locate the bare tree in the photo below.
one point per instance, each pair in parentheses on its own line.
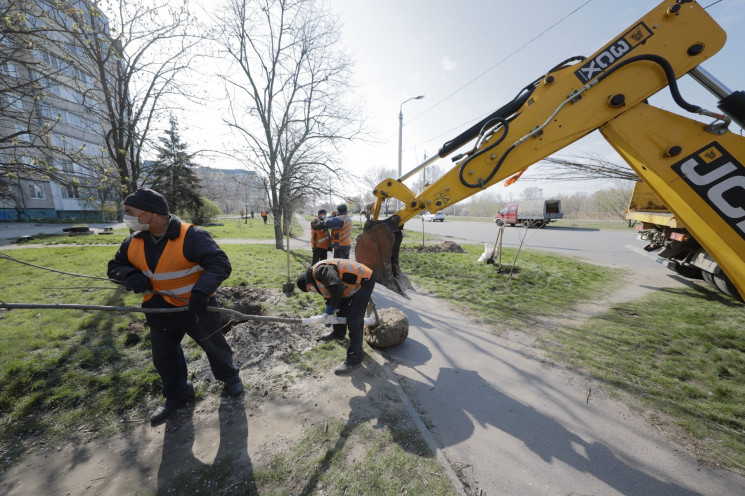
(614,200)
(137,50)
(579,168)
(287,96)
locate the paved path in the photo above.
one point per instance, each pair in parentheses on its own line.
(516,424)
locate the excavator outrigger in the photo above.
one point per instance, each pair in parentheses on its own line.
(695,168)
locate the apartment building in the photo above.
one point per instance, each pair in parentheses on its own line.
(49,119)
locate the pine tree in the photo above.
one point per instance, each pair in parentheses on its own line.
(173,174)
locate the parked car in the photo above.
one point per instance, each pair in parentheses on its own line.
(435,217)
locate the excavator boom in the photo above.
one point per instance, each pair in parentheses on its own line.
(606,91)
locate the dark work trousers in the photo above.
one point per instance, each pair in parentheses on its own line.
(319,254)
(342,252)
(354,310)
(166,333)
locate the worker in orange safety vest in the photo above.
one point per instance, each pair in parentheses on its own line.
(319,237)
(340,225)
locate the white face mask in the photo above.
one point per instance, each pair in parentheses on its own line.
(133,223)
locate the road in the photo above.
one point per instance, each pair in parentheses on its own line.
(514,423)
(608,246)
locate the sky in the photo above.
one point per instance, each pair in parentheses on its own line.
(469,58)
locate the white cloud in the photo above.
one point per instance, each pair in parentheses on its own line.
(448,64)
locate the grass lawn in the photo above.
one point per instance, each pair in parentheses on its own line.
(67,376)
(540,282)
(680,352)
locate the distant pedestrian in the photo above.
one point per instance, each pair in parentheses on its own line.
(319,237)
(252,214)
(264,215)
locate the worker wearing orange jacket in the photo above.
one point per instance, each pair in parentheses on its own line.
(340,225)
(319,237)
(346,286)
(175,264)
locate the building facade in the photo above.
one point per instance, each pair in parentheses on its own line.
(52,143)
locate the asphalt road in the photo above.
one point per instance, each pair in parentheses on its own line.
(513,423)
(607,246)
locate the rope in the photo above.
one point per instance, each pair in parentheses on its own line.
(5,256)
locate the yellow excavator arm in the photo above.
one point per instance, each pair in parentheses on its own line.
(693,167)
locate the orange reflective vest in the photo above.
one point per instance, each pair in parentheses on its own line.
(175,275)
(361,272)
(343,235)
(319,238)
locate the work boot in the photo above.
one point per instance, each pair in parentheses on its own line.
(346,367)
(170,406)
(235,387)
(330,336)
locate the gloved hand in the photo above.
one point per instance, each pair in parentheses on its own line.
(198,303)
(330,312)
(137,282)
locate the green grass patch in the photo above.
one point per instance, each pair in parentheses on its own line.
(236,228)
(539,285)
(115,238)
(678,351)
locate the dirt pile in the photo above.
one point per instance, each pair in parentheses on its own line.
(257,346)
(447,246)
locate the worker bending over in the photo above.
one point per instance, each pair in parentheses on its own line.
(346,286)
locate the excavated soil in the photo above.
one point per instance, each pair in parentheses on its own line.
(447,246)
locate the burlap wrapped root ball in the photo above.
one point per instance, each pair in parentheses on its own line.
(392,329)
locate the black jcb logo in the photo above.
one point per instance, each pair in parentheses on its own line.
(719,180)
(613,53)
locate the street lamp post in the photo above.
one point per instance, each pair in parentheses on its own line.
(401,128)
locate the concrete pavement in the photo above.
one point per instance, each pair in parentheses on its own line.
(514,423)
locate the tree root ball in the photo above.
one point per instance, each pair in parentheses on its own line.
(392,329)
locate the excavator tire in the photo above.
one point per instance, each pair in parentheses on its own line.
(724,285)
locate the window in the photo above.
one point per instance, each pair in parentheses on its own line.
(9,70)
(35,192)
(70,192)
(15,101)
(23,136)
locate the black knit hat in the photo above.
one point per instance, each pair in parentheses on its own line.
(148,200)
(302,283)
(341,208)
